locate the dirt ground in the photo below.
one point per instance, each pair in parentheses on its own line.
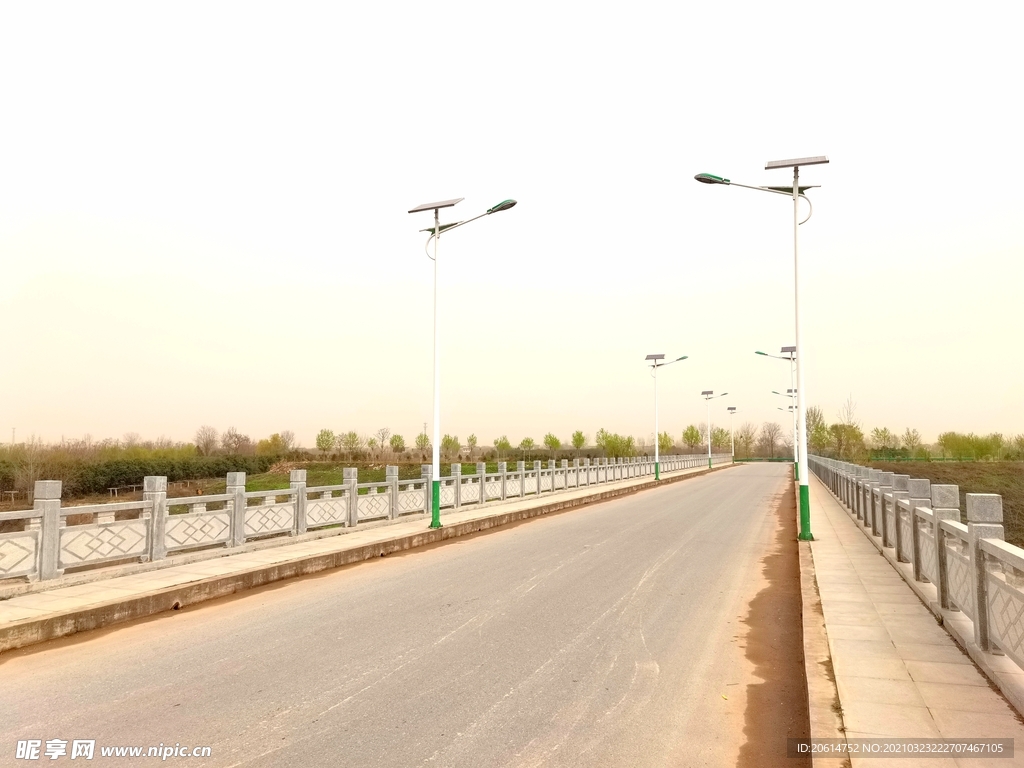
(1003,477)
(777,708)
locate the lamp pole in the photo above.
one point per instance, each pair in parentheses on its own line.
(732,429)
(797,192)
(708,396)
(435,234)
(655,365)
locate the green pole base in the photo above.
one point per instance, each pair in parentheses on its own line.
(657,470)
(796,470)
(709,463)
(805,514)
(435,504)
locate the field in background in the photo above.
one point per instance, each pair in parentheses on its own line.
(1003,477)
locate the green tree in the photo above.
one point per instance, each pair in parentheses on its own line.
(471,444)
(911,440)
(665,442)
(691,436)
(450,446)
(615,445)
(721,438)
(422,442)
(502,446)
(579,440)
(397,443)
(819,439)
(526,445)
(271,446)
(324,440)
(351,442)
(551,442)
(884,439)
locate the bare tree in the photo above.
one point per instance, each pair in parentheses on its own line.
(131,440)
(770,434)
(206,440)
(382,436)
(235,443)
(288,439)
(746,436)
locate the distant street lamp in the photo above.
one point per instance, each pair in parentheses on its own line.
(655,365)
(732,429)
(708,396)
(789,353)
(435,233)
(796,192)
(792,395)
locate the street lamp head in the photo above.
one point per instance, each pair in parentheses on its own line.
(655,357)
(708,178)
(504,205)
(731,409)
(785,350)
(707,392)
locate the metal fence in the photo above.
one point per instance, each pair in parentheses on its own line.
(973,569)
(50,539)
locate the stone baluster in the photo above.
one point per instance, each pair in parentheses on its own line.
(297,484)
(154,489)
(46,502)
(919,492)
(391,478)
(350,476)
(945,506)
(984,521)
(236,488)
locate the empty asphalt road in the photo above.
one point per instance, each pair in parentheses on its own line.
(610,635)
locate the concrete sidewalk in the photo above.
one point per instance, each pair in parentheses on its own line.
(66,609)
(898,672)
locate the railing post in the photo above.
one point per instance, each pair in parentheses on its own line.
(536,471)
(297,484)
(984,521)
(918,492)
(350,476)
(481,471)
(391,478)
(553,466)
(456,475)
(503,471)
(426,475)
(899,491)
(46,501)
(945,506)
(154,489)
(521,469)
(236,486)
(565,474)
(873,508)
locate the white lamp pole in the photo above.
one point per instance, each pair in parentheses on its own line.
(708,396)
(435,233)
(796,192)
(732,429)
(655,365)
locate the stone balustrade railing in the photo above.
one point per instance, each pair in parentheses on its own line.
(51,539)
(972,568)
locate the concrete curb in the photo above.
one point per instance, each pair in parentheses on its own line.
(823,702)
(25,632)
(1001,672)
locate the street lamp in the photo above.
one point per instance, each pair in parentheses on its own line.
(435,234)
(796,192)
(789,353)
(708,396)
(732,429)
(655,365)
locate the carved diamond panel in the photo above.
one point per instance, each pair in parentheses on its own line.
(410,500)
(18,553)
(106,541)
(470,492)
(545,482)
(531,483)
(447,495)
(493,489)
(373,506)
(560,481)
(890,527)
(906,538)
(326,511)
(959,574)
(926,539)
(270,518)
(512,486)
(196,530)
(1006,616)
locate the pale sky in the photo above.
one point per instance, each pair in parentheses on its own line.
(203,214)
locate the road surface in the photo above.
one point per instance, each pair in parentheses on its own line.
(610,635)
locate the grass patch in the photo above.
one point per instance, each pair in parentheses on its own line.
(1003,477)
